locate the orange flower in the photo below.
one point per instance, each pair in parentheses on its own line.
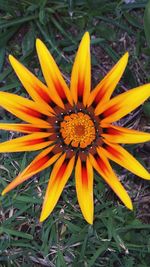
(74,127)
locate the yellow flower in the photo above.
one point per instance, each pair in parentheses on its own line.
(74,127)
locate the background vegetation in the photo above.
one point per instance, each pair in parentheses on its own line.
(118,237)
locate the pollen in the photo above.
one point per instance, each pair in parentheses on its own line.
(78,130)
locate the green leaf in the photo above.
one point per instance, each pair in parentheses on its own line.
(28,41)
(107,32)
(146,109)
(60,259)
(98,252)
(15,233)
(147,22)
(2,57)
(133,20)
(17,21)
(5,36)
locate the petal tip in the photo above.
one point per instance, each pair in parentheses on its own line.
(86,36)
(3,192)
(41,219)
(89,220)
(126,54)
(11,58)
(88,217)
(44,215)
(38,42)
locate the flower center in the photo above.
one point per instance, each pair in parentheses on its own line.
(78,130)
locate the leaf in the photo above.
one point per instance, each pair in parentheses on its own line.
(2,58)
(133,20)
(146,109)
(97,253)
(28,41)
(147,22)
(17,21)
(5,36)
(15,233)
(106,32)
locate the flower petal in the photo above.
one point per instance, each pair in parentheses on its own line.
(116,134)
(121,156)
(23,128)
(84,188)
(35,88)
(102,166)
(81,72)
(58,178)
(30,142)
(46,158)
(57,85)
(23,108)
(103,91)
(122,104)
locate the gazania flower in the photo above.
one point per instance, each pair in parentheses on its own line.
(74,127)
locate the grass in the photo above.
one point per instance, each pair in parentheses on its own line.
(118,237)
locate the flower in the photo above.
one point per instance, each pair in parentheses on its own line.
(74,127)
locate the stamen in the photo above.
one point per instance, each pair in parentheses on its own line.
(78,130)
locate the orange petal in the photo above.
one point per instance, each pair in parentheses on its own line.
(57,85)
(81,72)
(123,104)
(23,108)
(58,178)
(102,166)
(121,156)
(30,142)
(35,88)
(103,91)
(84,188)
(116,134)
(23,128)
(41,162)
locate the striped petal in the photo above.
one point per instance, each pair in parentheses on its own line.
(84,188)
(35,88)
(57,85)
(102,166)
(23,128)
(81,72)
(116,134)
(121,156)
(23,108)
(41,162)
(30,142)
(103,91)
(122,104)
(58,178)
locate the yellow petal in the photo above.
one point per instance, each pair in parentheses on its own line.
(116,134)
(41,162)
(102,166)
(35,88)
(103,91)
(121,156)
(81,72)
(58,178)
(84,188)
(123,104)
(23,108)
(57,85)
(23,128)
(30,142)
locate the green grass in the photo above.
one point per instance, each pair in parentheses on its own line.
(118,237)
